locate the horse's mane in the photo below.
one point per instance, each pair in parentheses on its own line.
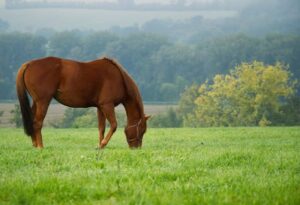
(130,85)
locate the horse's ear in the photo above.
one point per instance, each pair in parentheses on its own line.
(147,117)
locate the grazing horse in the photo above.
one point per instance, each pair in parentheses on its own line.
(101,83)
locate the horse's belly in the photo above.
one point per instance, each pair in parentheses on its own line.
(74,99)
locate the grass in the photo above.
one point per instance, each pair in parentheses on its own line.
(175,166)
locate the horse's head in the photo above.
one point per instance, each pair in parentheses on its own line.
(134,133)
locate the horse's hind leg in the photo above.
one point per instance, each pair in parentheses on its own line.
(40,110)
(101,125)
(33,137)
(109,112)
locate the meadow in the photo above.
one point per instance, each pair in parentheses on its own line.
(175,166)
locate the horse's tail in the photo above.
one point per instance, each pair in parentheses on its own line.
(27,116)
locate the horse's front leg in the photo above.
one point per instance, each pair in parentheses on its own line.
(101,125)
(109,113)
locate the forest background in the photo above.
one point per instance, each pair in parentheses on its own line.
(168,57)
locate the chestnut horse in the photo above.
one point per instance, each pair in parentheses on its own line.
(101,83)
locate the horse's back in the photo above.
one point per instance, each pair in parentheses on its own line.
(73,83)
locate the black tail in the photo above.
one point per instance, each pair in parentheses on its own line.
(27,116)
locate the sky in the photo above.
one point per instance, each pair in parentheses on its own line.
(136,1)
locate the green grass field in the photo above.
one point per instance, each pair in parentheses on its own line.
(175,166)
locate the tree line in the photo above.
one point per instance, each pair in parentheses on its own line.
(162,68)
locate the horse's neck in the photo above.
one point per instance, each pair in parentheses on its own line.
(133,111)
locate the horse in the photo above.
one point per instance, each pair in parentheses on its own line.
(102,83)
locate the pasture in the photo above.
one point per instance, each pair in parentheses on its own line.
(175,166)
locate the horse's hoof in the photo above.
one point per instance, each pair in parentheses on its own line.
(103,144)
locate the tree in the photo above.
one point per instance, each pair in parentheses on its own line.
(252,94)
(187,106)
(66,44)
(1,113)
(16,116)
(15,49)
(169,119)
(94,45)
(71,114)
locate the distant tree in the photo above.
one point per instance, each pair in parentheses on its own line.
(15,49)
(289,113)
(70,116)
(134,53)
(84,117)
(170,118)
(87,120)
(66,44)
(172,67)
(161,68)
(1,113)
(16,116)
(252,94)
(94,45)
(187,106)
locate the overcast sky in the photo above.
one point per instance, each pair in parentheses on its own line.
(136,1)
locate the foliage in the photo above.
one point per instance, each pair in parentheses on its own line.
(168,119)
(89,119)
(134,52)
(15,49)
(175,166)
(85,118)
(290,112)
(161,68)
(95,45)
(16,116)
(252,94)
(166,56)
(187,106)
(71,114)
(1,113)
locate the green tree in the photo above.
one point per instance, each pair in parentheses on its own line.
(15,49)
(171,118)
(252,94)
(16,116)
(87,120)
(1,113)
(66,44)
(94,45)
(70,116)
(187,106)
(290,112)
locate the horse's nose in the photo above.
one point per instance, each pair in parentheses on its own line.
(136,145)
